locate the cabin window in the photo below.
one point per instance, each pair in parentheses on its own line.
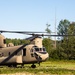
(32,55)
(24,52)
(9,53)
(4,41)
(2,54)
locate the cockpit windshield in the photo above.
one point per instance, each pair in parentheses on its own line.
(40,49)
(36,49)
(44,49)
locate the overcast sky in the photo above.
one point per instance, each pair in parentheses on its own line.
(33,15)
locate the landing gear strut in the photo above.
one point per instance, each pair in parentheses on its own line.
(33,66)
(39,63)
(22,66)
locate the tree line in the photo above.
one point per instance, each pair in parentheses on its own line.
(16,41)
(65,48)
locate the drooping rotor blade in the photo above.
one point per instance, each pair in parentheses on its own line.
(21,32)
(32,38)
(33,33)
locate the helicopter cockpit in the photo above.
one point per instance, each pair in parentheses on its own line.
(36,49)
(39,53)
(40,49)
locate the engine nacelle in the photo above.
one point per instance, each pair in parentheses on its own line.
(10,45)
(37,42)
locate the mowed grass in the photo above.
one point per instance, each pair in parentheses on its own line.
(62,67)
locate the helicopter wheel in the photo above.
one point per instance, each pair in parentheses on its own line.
(12,66)
(33,66)
(9,65)
(22,66)
(39,63)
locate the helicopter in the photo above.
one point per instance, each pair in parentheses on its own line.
(29,53)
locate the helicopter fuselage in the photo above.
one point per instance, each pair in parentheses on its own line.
(29,54)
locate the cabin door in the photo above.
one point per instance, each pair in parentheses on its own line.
(24,52)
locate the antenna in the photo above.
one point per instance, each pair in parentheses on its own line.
(55,28)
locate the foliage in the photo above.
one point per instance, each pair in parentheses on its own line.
(63,27)
(47,29)
(17,41)
(66,47)
(49,67)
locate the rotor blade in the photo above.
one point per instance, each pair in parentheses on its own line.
(59,35)
(21,32)
(32,38)
(51,35)
(33,33)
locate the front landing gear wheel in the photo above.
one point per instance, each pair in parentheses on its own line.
(33,66)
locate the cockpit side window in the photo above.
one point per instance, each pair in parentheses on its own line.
(36,49)
(4,41)
(44,49)
(39,49)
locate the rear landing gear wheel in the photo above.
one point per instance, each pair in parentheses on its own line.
(33,66)
(12,66)
(22,66)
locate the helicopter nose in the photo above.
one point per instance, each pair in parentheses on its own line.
(43,56)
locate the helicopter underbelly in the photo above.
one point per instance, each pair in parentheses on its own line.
(29,60)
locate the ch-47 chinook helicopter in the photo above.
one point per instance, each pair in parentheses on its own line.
(31,53)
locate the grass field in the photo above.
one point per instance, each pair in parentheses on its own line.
(49,67)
